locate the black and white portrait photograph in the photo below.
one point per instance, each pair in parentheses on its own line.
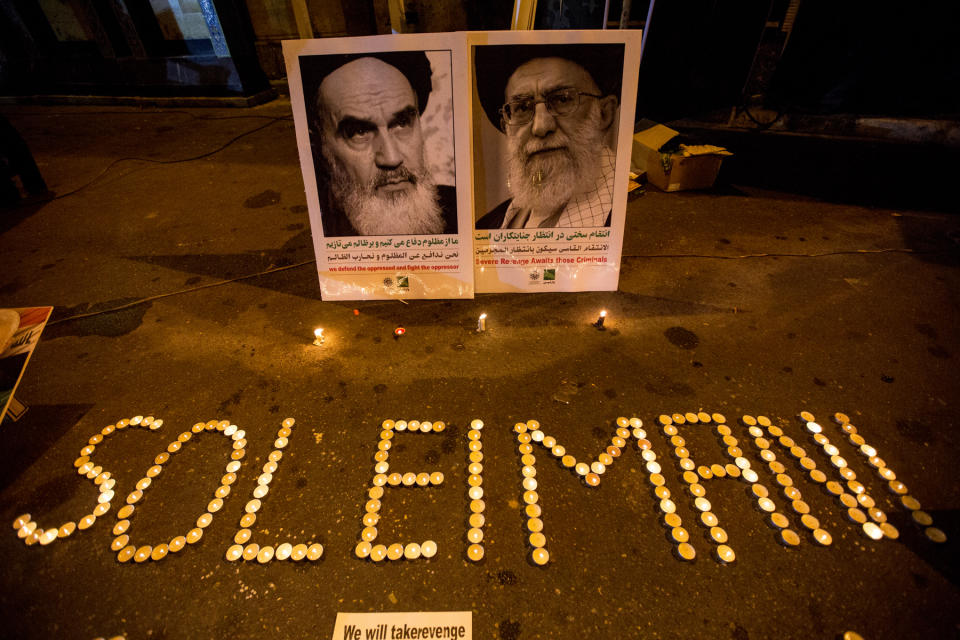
(548,153)
(381,139)
(382,134)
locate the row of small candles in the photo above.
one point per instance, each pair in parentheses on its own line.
(319,338)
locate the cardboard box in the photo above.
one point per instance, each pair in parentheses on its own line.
(693,167)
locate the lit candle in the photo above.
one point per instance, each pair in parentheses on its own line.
(399,331)
(428,549)
(318,336)
(599,323)
(482,323)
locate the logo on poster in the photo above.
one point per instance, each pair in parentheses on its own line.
(543,277)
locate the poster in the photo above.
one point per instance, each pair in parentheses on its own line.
(382,126)
(13,359)
(552,122)
(397,625)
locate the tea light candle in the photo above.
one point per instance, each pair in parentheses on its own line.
(935,535)
(686,551)
(873,530)
(599,323)
(726,554)
(540,556)
(482,323)
(300,551)
(48,536)
(856,515)
(318,337)
(822,537)
(143,554)
(718,534)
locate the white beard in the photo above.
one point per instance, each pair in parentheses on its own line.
(375,214)
(545,184)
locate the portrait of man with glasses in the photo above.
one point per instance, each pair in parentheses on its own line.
(557,106)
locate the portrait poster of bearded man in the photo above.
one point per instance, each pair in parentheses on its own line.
(378,170)
(553,115)
(556,106)
(382,127)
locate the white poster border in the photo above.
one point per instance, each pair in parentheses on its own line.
(597,269)
(399,277)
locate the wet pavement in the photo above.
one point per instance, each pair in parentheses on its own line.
(179,260)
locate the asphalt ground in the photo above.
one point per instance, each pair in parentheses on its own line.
(177,255)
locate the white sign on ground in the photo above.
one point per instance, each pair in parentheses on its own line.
(404,625)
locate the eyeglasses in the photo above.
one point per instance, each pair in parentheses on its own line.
(560,102)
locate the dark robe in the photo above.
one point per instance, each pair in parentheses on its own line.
(494,219)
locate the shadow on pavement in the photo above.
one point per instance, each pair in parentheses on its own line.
(26,440)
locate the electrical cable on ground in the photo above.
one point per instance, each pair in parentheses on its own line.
(159,296)
(760,123)
(148,113)
(176,161)
(775,255)
(306,262)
